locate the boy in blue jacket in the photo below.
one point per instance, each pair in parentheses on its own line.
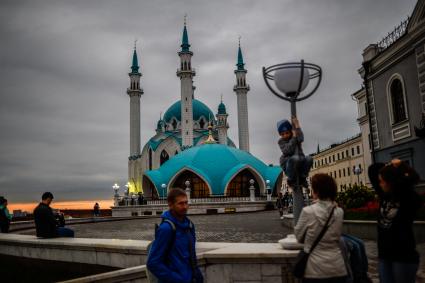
(172,257)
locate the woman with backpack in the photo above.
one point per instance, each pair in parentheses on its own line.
(394,183)
(319,228)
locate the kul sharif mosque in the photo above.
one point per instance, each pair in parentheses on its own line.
(191,142)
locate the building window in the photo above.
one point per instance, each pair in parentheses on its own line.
(348,171)
(342,153)
(202,123)
(339,173)
(333,158)
(397,101)
(174,124)
(338,155)
(198,188)
(335,174)
(358,149)
(352,151)
(164,157)
(346,153)
(343,172)
(150,158)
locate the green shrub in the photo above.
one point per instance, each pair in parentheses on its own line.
(355,197)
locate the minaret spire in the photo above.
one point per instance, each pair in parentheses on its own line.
(241,89)
(186,74)
(222,125)
(185,38)
(134,91)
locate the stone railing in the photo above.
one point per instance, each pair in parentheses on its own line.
(219,262)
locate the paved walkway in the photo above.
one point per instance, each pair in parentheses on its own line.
(260,227)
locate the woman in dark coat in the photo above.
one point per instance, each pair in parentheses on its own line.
(394,184)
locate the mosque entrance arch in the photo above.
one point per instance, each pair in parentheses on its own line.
(198,187)
(149,189)
(239,185)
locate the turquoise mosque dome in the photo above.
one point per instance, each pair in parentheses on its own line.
(199,110)
(216,164)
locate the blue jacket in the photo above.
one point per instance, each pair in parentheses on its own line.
(174,267)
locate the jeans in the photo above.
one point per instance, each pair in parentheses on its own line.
(65,232)
(342,279)
(295,163)
(397,272)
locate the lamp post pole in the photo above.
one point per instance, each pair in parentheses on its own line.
(291,79)
(357,171)
(163,186)
(116,195)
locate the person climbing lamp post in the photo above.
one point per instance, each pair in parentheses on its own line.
(291,79)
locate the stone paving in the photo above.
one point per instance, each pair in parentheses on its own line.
(260,227)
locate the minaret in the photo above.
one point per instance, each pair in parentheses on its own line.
(186,74)
(222,124)
(241,89)
(135,92)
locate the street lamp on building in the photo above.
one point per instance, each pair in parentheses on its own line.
(290,80)
(357,171)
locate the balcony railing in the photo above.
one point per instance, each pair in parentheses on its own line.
(393,36)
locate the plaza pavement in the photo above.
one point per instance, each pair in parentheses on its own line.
(260,227)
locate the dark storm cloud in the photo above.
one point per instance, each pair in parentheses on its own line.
(63,74)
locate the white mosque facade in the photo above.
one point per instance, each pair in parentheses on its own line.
(191,142)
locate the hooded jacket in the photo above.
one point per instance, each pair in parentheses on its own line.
(290,147)
(326,260)
(171,263)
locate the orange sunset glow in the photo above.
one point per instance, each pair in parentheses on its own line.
(78,204)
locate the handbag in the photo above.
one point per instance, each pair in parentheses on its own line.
(298,269)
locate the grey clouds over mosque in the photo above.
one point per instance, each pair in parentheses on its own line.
(191,142)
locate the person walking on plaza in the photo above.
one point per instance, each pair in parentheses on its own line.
(394,183)
(5,216)
(280,204)
(96,210)
(326,262)
(45,223)
(172,257)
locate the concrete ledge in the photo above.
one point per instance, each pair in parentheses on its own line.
(195,208)
(219,262)
(135,274)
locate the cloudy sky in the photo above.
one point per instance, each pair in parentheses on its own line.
(64,112)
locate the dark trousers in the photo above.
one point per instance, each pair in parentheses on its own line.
(65,232)
(300,164)
(397,272)
(342,279)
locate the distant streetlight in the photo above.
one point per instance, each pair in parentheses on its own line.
(163,186)
(357,171)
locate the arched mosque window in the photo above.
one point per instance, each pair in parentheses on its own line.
(239,186)
(164,157)
(150,158)
(198,188)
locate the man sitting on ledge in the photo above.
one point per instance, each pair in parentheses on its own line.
(46,224)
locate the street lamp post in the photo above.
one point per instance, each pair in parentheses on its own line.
(357,171)
(187,184)
(163,186)
(291,79)
(116,195)
(269,191)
